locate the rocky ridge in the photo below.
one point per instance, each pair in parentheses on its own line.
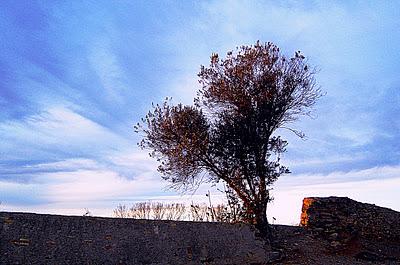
(363,230)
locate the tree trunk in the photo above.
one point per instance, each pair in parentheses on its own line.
(262,222)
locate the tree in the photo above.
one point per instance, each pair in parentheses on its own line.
(228,134)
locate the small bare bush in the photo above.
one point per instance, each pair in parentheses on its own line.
(158,210)
(140,210)
(179,212)
(200,213)
(121,211)
(175,211)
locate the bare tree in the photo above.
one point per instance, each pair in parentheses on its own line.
(175,211)
(158,210)
(228,134)
(199,212)
(140,210)
(178,212)
(121,211)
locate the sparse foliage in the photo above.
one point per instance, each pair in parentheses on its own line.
(121,211)
(140,210)
(176,212)
(152,210)
(199,212)
(159,211)
(228,134)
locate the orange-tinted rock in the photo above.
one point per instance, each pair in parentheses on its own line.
(307,202)
(346,223)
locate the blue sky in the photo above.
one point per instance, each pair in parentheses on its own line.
(75,77)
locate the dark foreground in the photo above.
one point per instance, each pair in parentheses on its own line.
(27,238)
(300,245)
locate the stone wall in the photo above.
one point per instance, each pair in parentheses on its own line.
(50,239)
(348,224)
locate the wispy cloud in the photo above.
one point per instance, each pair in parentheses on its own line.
(108,70)
(58,130)
(92,185)
(374,173)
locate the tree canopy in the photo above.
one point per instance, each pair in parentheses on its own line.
(228,133)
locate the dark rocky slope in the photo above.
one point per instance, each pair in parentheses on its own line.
(50,239)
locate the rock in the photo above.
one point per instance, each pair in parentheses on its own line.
(369,256)
(276,256)
(318,230)
(333,236)
(348,224)
(335,244)
(342,215)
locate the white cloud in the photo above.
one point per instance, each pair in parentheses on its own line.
(184,88)
(92,185)
(324,160)
(110,73)
(68,164)
(138,158)
(15,189)
(81,187)
(57,128)
(377,173)
(31,170)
